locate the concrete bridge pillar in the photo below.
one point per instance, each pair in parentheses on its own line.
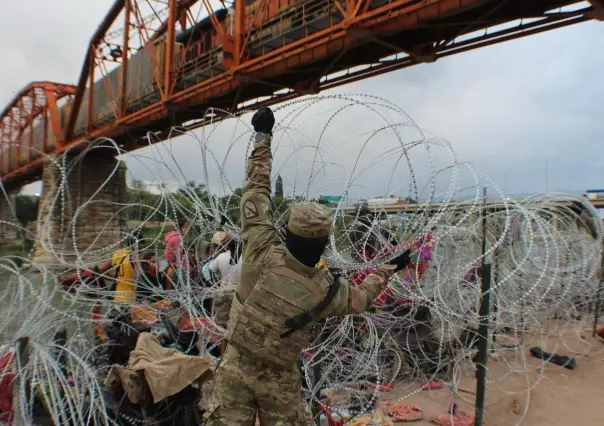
(81,209)
(9,226)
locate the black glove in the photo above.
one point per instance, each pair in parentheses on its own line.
(263,121)
(401,261)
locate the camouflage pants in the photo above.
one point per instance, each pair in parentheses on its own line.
(243,388)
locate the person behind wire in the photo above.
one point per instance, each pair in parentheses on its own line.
(230,277)
(174,253)
(125,264)
(151,283)
(281,295)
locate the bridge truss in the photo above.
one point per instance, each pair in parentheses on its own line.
(360,39)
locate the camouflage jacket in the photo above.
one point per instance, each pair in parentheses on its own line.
(265,259)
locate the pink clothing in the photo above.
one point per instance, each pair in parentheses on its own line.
(174,253)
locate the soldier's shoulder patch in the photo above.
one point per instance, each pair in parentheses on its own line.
(250,210)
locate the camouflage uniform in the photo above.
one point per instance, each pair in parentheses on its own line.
(224,295)
(222,305)
(258,373)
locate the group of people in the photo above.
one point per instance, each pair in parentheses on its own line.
(271,293)
(137,276)
(133,278)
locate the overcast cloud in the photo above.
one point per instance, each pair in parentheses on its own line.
(513,110)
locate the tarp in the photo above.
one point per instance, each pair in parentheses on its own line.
(166,371)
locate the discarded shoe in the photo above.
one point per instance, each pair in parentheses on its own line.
(405,413)
(561,360)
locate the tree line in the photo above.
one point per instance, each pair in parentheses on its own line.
(145,205)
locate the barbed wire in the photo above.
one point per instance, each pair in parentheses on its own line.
(544,252)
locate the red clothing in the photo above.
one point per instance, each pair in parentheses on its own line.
(174,253)
(7,376)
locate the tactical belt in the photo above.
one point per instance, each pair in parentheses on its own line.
(296,323)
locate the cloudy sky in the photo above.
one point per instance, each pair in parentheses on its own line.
(514,110)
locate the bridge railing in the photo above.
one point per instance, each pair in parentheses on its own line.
(31,126)
(293,24)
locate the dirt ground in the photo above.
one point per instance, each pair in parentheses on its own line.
(559,397)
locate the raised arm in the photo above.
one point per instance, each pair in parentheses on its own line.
(258,231)
(355,300)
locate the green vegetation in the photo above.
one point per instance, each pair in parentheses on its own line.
(16,253)
(279,188)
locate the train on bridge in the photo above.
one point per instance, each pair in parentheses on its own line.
(259,52)
(200,53)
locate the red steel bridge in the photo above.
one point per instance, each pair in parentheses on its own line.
(153,64)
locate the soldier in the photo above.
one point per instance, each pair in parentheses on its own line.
(280,297)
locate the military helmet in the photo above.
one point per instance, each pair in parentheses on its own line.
(310,220)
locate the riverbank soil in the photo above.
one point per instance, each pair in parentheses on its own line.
(522,390)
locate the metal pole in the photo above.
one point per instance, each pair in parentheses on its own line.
(484,224)
(495,302)
(123,96)
(597,311)
(483,328)
(599,294)
(239,29)
(170,46)
(483,340)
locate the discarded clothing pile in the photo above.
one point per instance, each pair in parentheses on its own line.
(163,371)
(400,412)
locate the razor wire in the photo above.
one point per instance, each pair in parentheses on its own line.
(545,253)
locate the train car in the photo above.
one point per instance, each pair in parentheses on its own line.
(145,77)
(199,55)
(202,55)
(276,23)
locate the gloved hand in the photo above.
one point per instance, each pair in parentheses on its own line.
(401,261)
(263,121)
(223,220)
